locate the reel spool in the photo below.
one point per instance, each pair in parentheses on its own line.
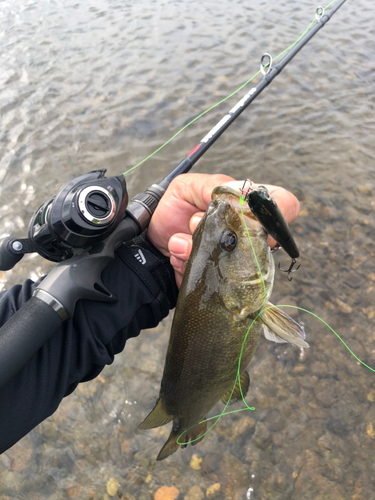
(85,212)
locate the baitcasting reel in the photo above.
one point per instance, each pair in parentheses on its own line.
(86,211)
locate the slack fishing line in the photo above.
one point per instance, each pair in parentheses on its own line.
(319,15)
(266,62)
(238,375)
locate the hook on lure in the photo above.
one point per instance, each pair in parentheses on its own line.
(290,269)
(269,215)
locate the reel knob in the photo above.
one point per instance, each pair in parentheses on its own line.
(11,252)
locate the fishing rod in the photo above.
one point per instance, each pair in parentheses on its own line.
(82,226)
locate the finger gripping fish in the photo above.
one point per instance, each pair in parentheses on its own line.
(221,293)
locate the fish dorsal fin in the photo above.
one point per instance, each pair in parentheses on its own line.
(279,327)
(157,417)
(195,433)
(236,396)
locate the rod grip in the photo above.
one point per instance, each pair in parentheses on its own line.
(24,334)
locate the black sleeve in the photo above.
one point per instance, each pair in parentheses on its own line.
(142,280)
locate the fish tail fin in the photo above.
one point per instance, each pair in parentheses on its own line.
(279,327)
(157,417)
(195,434)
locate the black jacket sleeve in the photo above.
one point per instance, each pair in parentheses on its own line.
(142,280)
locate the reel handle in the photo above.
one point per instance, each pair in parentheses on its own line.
(9,255)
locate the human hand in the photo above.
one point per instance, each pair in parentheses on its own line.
(183,206)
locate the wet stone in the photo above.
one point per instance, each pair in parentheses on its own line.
(112,486)
(145,495)
(128,496)
(167,493)
(20,454)
(327,391)
(344,307)
(210,463)
(195,462)
(364,188)
(354,280)
(346,414)
(292,385)
(194,493)
(311,482)
(308,382)
(261,437)
(135,477)
(243,427)
(74,491)
(274,420)
(334,449)
(235,473)
(322,369)
(213,490)
(294,430)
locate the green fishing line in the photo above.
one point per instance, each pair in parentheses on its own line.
(238,375)
(225,98)
(262,309)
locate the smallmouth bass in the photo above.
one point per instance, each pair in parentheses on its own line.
(221,294)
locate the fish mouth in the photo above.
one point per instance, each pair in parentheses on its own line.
(225,189)
(255,281)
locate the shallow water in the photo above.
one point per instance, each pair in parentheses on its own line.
(95,84)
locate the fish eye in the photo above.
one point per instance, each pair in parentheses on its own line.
(228,241)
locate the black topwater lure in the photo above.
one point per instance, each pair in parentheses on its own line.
(269,215)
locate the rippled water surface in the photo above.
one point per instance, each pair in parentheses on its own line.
(102,84)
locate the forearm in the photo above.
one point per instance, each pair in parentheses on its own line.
(80,349)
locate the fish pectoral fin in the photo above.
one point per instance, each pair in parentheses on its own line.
(272,336)
(279,327)
(194,434)
(157,417)
(236,396)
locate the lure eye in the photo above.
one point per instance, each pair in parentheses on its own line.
(263,192)
(228,241)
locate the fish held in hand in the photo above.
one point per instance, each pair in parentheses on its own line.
(221,294)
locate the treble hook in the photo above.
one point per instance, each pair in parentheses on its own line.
(290,270)
(245,192)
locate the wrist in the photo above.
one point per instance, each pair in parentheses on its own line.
(148,258)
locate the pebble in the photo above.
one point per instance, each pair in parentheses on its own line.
(274,420)
(211,463)
(345,308)
(195,462)
(243,426)
(74,491)
(370,430)
(354,280)
(327,391)
(112,486)
(20,455)
(364,188)
(167,493)
(213,490)
(261,436)
(345,414)
(194,493)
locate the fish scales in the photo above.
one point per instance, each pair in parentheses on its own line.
(221,294)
